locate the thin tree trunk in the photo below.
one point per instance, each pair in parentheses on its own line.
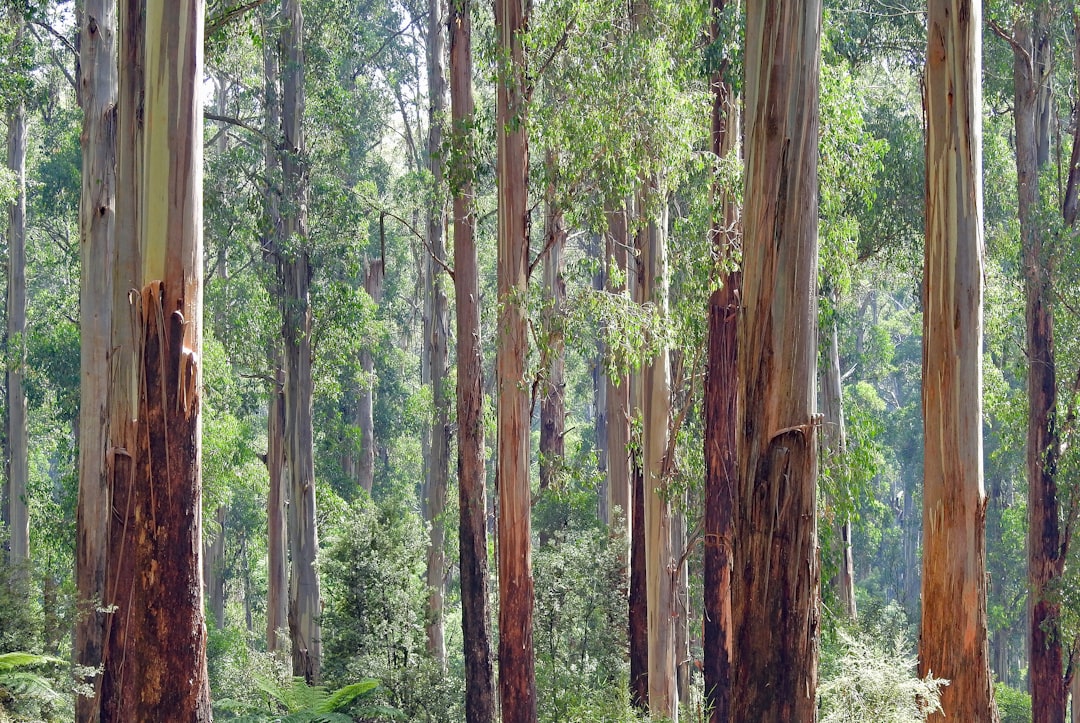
(17,461)
(277,546)
(436,340)
(98,83)
(599,380)
(517,678)
(1046,561)
(552,405)
(719,410)
(617,395)
(775,580)
(155,660)
(215,580)
(681,613)
(294,264)
(953,641)
(656,411)
(472,495)
(365,409)
(638,606)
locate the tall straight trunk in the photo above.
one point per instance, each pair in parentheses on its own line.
(97,208)
(656,413)
(1046,558)
(294,267)
(637,613)
(365,409)
(617,393)
(277,544)
(517,678)
(472,494)
(17,460)
(437,341)
(681,612)
(719,408)
(953,642)
(835,444)
(215,567)
(599,380)
(775,576)
(552,404)
(155,660)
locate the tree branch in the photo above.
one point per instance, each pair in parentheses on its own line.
(56,58)
(227,16)
(238,123)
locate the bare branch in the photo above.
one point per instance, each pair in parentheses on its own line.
(236,122)
(227,16)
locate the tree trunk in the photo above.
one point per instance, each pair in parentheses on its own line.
(17,461)
(681,612)
(638,615)
(953,642)
(1046,559)
(599,380)
(438,332)
(656,412)
(365,411)
(719,410)
(294,264)
(98,83)
(835,445)
(552,404)
(155,660)
(277,546)
(215,567)
(775,581)
(517,679)
(472,495)
(617,395)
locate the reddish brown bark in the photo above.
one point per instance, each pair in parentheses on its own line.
(775,577)
(472,523)
(517,679)
(720,408)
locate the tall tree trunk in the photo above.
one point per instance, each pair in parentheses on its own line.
(517,678)
(17,461)
(637,613)
(600,386)
(294,264)
(1046,559)
(617,394)
(775,613)
(552,404)
(155,660)
(215,567)
(365,409)
(277,544)
(681,612)
(953,642)
(835,438)
(98,83)
(656,413)
(472,495)
(719,407)
(436,341)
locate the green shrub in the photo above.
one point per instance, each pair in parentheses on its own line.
(1014,706)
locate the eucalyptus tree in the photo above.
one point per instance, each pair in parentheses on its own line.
(97,209)
(953,641)
(775,615)
(155,656)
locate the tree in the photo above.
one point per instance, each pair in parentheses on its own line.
(1031,44)
(472,495)
(517,679)
(17,453)
(436,340)
(775,613)
(155,657)
(97,210)
(294,269)
(953,642)
(720,400)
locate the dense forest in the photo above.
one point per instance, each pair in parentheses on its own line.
(570,360)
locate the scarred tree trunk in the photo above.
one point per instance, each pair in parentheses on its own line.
(517,679)
(953,641)
(436,340)
(719,411)
(17,460)
(155,659)
(294,268)
(775,575)
(98,83)
(472,495)
(1046,558)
